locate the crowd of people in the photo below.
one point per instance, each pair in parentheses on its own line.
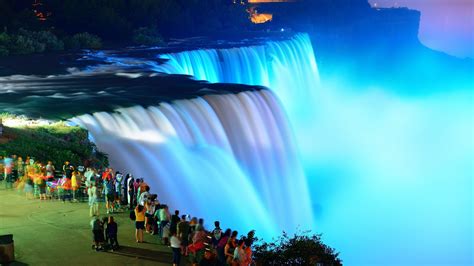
(186,236)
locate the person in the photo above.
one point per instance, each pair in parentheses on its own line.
(109,195)
(248,251)
(50,171)
(8,172)
(42,187)
(68,169)
(221,247)
(230,247)
(174,221)
(93,200)
(163,217)
(75,180)
(97,233)
(131,193)
(183,234)
(90,176)
(144,196)
(216,233)
(240,258)
(175,244)
(139,223)
(118,190)
(112,230)
(150,223)
(198,245)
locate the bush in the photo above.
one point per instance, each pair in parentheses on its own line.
(45,39)
(302,248)
(147,36)
(28,42)
(83,41)
(57,142)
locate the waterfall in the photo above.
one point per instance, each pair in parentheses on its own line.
(287,67)
(222,157)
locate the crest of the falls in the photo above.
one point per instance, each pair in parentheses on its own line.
(287,67)
(222,157)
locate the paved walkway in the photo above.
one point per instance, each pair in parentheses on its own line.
(55,233)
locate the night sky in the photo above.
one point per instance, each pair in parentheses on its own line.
(446,25)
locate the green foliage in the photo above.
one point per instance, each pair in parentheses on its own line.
(28,42)
(302,248)
(147,36)
(83,41)
(56,142)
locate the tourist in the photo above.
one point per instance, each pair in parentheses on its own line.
(174,221)
(97,233)
(118,189)
(42,187)
(216,233)
(90,176)
(124,192)
(8,170)
(75,181)
(230,247)
(144,196)
(93,200)
(221,247)
(112,231)
(163,217)
(109,195)
(49,168)
(139,223)
(198,245)
(150,206)
(166,234)
(240,257)
(68,169)
(183,234)
(248,250)
(176,247)
(131,192)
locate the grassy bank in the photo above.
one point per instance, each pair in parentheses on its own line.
(44,142)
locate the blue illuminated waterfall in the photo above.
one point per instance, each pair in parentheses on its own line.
(227,157)
(287,67)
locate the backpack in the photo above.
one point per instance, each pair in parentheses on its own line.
(132,215)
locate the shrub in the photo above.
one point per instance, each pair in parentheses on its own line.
(83,40)
(303,248)
(147,36)
(44,38)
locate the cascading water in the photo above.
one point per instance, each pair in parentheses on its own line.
(287,67)
(228,157)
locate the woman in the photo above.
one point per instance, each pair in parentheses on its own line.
(221,246)
(230,248)
(139,223)
(75,180)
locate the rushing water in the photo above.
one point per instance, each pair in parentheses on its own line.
(389,174)
(287,67)
(227,157)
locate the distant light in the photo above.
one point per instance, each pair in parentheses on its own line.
(282,29)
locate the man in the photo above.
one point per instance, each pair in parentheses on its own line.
(68,169)
(49,168)
(144,196)
(183,234)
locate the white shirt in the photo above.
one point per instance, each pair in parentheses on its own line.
(175,242)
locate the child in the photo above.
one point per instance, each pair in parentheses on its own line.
(97,233)
(112,230)
(176,247)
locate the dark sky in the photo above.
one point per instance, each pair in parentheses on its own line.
(446,25)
